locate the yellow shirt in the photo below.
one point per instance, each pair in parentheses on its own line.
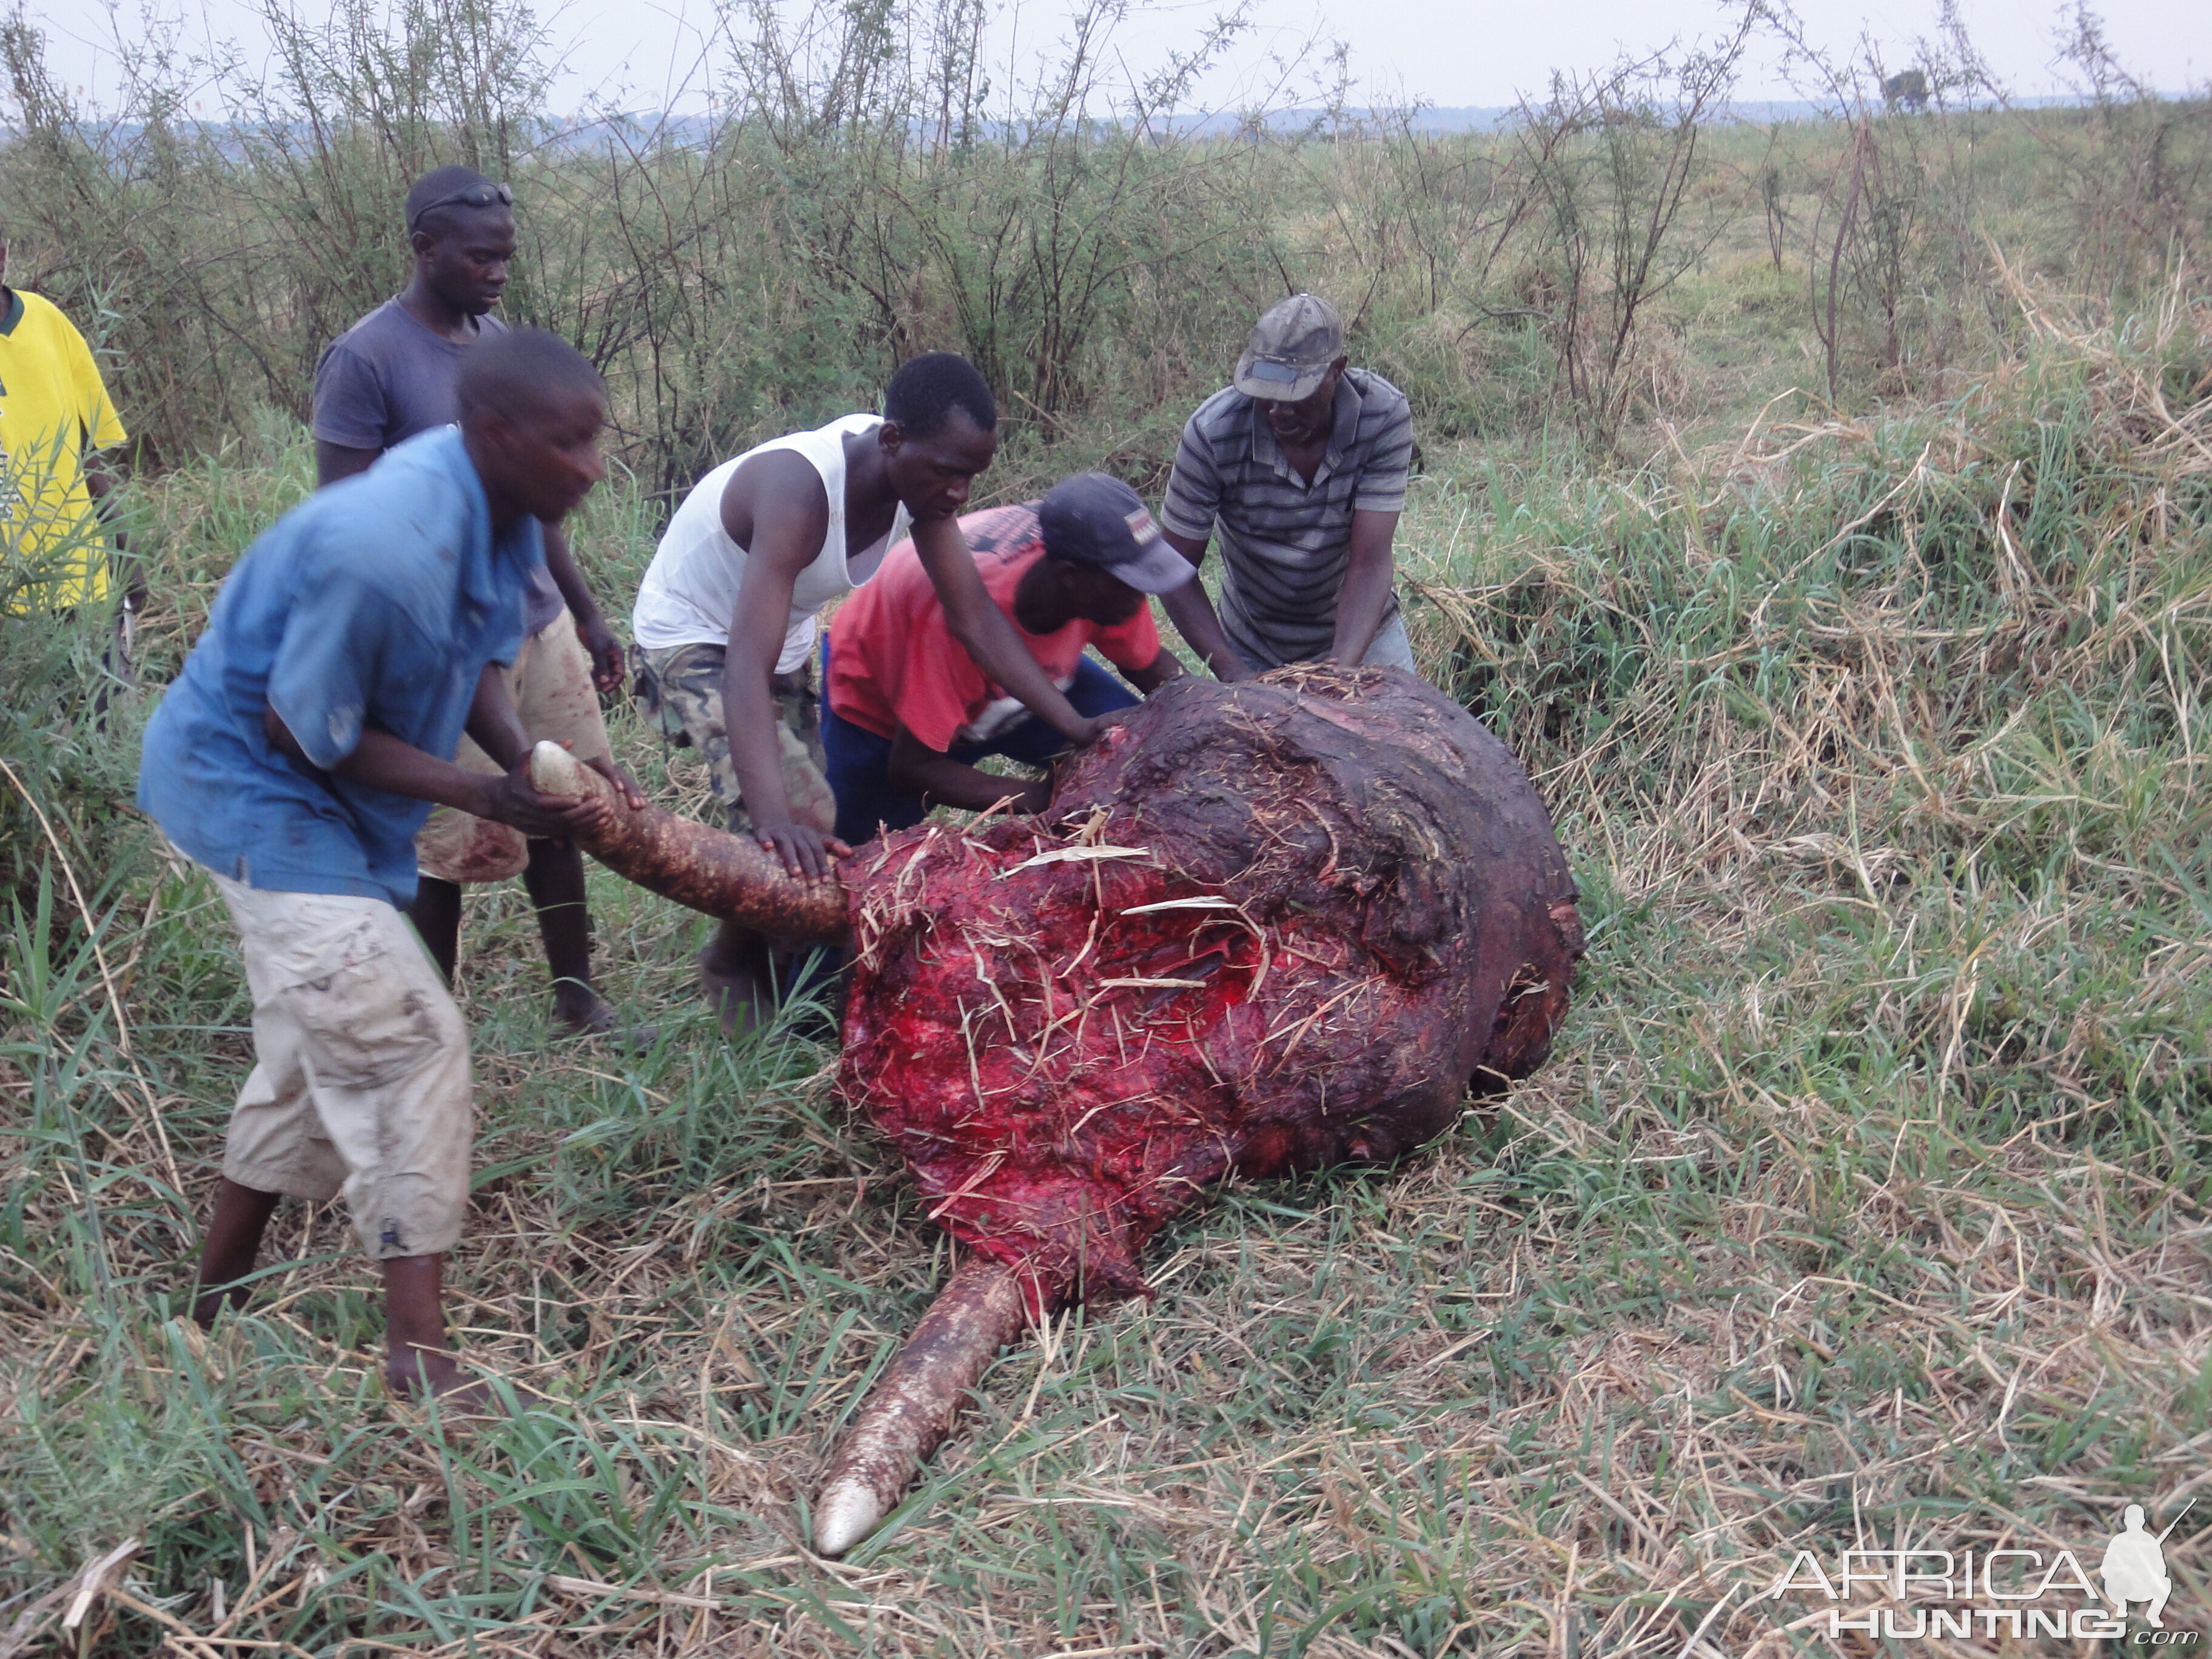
(53,411)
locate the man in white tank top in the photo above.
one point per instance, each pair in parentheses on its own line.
(725,619)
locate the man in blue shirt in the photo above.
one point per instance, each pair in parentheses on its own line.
(307,739)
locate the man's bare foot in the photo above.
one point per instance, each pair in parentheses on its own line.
(582,1011)
(743,1000)
(421,1376)
(818,983)
(207,1305)
(234,1240)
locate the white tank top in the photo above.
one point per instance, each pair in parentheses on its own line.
(690,593)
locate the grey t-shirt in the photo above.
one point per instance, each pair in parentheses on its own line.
(1286,542)
(386,379)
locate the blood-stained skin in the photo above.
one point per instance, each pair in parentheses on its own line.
(1263,927)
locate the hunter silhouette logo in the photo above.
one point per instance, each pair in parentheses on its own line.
(2024,1594)
(2135,1566)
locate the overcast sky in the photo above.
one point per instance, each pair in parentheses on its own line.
(642,54)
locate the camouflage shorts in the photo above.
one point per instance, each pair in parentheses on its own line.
(679,692)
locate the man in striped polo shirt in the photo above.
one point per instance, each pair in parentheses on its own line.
(1300,467)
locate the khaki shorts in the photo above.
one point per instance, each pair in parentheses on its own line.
(1391,647)
(361,1080)
(679,692)
(550,681)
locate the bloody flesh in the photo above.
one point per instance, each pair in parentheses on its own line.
(1264,926)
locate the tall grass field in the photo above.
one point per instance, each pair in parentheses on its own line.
(1854,617)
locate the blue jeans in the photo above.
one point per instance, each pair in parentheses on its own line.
(860,761)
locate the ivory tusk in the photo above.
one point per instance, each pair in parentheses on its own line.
(695,863)
(913,1406)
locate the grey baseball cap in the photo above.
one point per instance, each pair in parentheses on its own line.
(1291,349)
(1095,519)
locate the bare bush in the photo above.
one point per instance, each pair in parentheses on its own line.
(860,191)
(1608,161)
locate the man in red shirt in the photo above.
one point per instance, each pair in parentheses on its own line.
(910,713)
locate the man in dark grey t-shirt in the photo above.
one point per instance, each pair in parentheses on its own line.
(389,377)
(1299,469)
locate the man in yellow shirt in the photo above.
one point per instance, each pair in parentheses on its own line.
(55,418)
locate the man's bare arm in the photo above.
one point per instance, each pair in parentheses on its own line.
(496,726)
(986,635)
(99,485)
(381,761)
(1192,612)
(599,641)
(775,507)
(335,461)
(1162,668)
(1365,594)
(941,781)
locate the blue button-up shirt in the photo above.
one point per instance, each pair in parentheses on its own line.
(376,603)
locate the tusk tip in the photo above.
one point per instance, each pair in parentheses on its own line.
(555,771)
(845,1513)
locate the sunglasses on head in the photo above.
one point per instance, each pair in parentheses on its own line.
(478,195)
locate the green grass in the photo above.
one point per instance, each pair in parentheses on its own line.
(1865,1198)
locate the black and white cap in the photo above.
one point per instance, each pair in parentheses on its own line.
(1095,519)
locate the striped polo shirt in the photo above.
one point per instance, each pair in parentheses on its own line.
(1285,543)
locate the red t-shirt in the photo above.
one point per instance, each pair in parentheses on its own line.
(893,660)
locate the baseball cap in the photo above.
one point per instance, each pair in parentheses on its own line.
(1095,519)
(1291,349)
